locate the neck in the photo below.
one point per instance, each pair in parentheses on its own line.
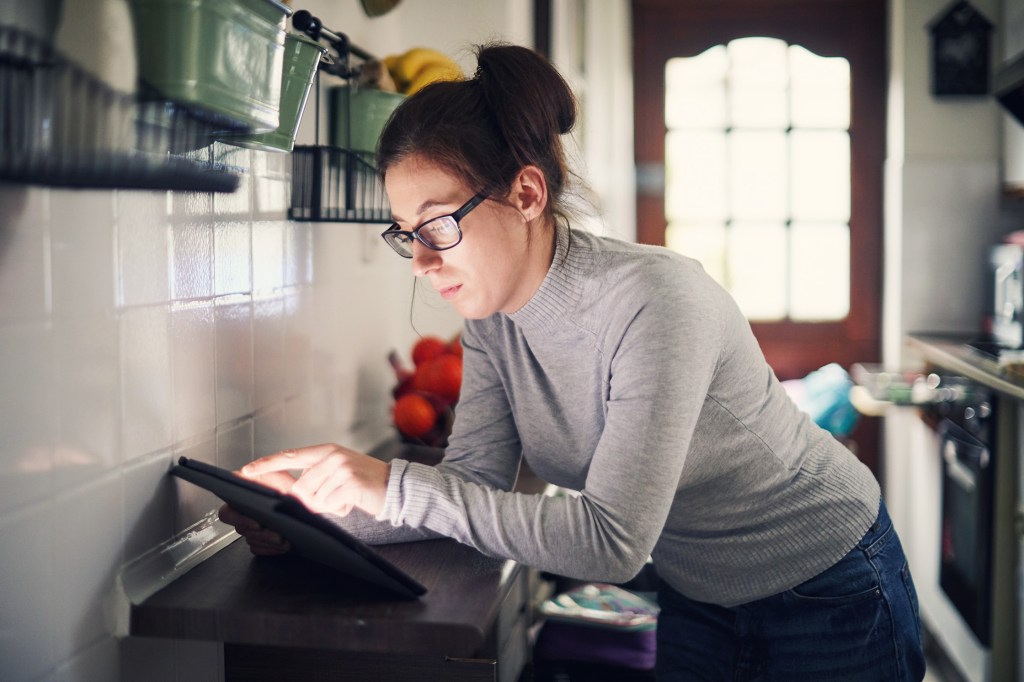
(540,251)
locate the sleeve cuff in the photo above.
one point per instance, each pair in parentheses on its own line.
(393,495)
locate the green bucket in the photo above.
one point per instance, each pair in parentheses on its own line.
(221,56)
(357,116)
(301,58)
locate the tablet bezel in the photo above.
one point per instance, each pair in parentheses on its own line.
(310,534)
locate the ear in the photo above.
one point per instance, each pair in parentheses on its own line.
(530,192)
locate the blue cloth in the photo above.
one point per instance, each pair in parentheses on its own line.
(857,621)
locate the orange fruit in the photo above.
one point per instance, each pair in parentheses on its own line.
(455,346)
(427,348)
(414,416)
(441,376)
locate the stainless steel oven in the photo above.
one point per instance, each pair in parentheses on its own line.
(967,437)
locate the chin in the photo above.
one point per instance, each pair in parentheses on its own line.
(471,312)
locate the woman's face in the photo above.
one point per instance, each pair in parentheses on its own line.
(495,268)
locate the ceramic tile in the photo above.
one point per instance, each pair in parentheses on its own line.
(149,504)
(269,362)
(87,399)
(194,368)
(267,257)
(100,661)
(238,203)
(142,248)
(270,196)
(24,267)
(88,543)
(147,658)
(235,445)
(232,266)
(199,661)
(82,253)
(298,251)
(187,206)
(192,263)
(193,502)
(28,617)
(234,358)
(26,415)
(299,328)
(270,432)
(145,380)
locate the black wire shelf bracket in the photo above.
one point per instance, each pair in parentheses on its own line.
(60,126)
(334,183)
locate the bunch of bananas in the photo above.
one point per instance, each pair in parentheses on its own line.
(420,66)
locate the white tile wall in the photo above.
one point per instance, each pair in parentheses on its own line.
(136,327)
(139,326)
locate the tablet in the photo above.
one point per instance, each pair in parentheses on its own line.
(310,534)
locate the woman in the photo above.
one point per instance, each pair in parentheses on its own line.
(625,373)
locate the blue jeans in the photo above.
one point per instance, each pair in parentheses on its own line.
(857,621)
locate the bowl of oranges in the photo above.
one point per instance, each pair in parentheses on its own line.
(425,394)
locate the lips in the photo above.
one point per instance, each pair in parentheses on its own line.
(448,293)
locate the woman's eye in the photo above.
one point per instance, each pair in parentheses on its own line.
(439,229)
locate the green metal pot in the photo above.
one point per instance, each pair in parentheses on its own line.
(222,56)
(357,116)
(301,58)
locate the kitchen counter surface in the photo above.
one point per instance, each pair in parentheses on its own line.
(951,352)
(285,617)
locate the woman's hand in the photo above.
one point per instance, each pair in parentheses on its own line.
(261,541)
(334,479)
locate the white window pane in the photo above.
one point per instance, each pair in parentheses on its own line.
(821,175)
(819,271)
(820,90)
(757,269)
(759,175)
(695,90)
(759,83)
(695,175)
(705,242)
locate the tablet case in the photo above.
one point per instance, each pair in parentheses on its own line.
(310,534)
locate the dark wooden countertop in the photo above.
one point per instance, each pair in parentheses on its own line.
(289,601)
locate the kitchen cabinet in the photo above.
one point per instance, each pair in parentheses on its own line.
(289,618)
(914,486)
(1013,130)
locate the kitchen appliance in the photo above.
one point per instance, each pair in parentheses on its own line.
(1008,86)
(967,452)
(1007,265)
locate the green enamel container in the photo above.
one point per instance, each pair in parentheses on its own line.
(221,56)
(301,58)
(357,117)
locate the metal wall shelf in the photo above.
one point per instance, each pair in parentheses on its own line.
(334,184)
(62,127)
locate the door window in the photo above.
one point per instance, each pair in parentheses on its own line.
(757,175)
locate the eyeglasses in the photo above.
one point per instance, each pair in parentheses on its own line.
(440,233)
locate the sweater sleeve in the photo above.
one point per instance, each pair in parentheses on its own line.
(663,359)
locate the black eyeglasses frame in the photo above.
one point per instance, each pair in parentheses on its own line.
(456,216)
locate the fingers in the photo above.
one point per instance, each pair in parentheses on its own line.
(286,460)
(261,541)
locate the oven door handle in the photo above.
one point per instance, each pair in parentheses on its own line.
(956,470)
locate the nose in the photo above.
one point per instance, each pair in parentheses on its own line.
(424,260)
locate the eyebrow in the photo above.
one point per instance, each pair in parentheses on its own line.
(429,203)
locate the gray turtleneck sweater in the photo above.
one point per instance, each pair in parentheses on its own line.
(632,378)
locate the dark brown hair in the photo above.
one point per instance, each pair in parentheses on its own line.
(485,129)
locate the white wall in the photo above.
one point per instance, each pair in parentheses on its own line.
(139,326)
(943,210)
(943,172)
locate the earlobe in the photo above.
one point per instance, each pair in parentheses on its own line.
(530,192)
